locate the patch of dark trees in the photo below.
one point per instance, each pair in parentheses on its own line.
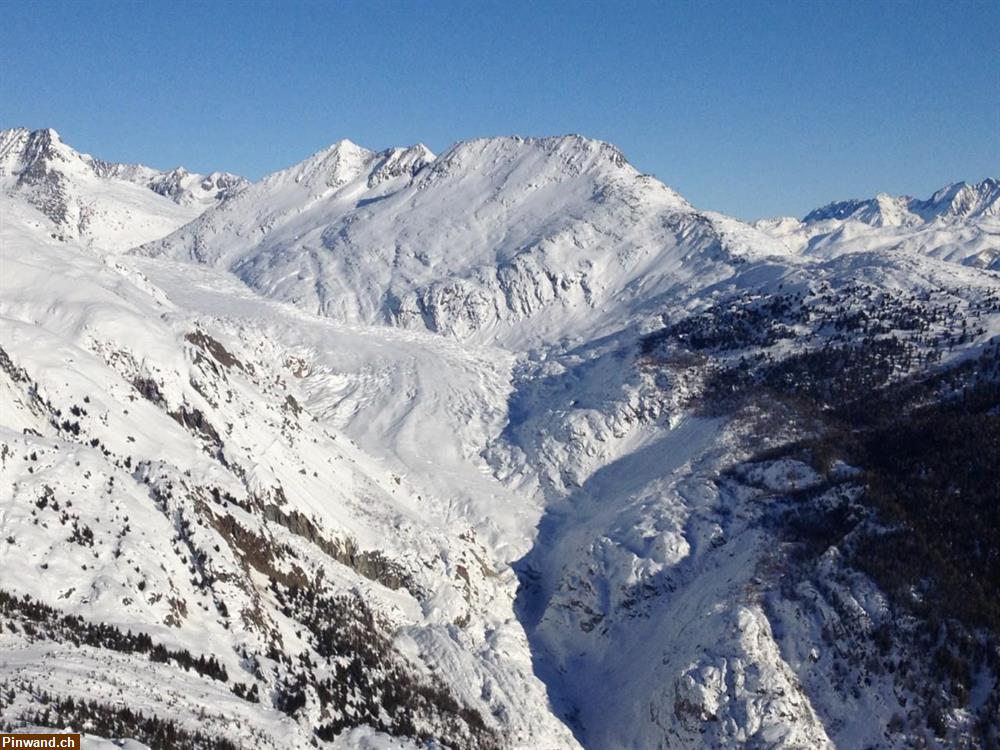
(922,518)
(755,320)
(740,323)
(832,374)
(925,525)
(42,622)
(928,450)
(108,721)
(362,680)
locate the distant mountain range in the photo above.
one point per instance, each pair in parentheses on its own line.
(952,203)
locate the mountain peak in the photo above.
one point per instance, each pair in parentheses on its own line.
(33,156)
(957,200)
(530,162)
(963,199)
(51,135)
(24,151)
(114,206)
(331,167)
(37,137)
(548,144)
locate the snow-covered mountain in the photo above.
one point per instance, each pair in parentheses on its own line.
(960,222)
(563,232)
(510,447)
(178,472)
(182,187)
(112,206)
(956,202)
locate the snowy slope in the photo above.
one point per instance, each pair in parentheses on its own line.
(522,239)
(163,473)
(113,206)
(959,223)
(649,596)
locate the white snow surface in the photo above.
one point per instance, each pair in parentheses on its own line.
(435,358)
(514,240)
(959,223)
(112,207)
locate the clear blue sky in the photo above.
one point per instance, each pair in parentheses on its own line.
(752,108)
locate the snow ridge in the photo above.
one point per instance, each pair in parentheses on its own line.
(115,206)
(477,242)
(956,202)
(959,223)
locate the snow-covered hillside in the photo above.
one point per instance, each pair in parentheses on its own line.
(522,240)
(110,206)
(510,447)
(960,222)
(165,473)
